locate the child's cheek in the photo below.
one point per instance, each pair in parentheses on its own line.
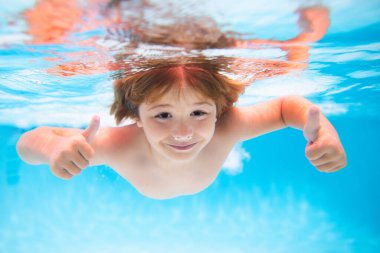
(206,127)
(158,129)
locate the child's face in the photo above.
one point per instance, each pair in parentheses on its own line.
(178,128)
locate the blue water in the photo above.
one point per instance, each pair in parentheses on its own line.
(268,198)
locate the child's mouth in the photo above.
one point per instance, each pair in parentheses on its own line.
(183,147)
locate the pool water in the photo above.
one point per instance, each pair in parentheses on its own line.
(268,198)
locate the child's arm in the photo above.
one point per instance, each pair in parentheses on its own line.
(313,21)
(324,150)
(66,150)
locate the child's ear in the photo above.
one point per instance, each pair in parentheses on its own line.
(138,123)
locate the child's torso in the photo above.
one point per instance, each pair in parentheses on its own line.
(145,175)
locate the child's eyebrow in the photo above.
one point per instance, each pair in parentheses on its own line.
(169,105)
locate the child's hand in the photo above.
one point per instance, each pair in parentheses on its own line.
(324,150)
(314,22)
(74,152)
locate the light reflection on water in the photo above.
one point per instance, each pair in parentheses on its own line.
(75,73)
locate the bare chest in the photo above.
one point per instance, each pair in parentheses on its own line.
(154,181)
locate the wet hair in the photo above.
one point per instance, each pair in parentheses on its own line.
(159,76)
(142,23)
(191,33)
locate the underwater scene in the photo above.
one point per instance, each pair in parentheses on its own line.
(60,60)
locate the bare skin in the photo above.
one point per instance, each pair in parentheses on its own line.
(148,154)
(141,152)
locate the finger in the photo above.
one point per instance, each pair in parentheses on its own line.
(339,167)
(72,168)
(312,124)
(334,169)
(64,174)
(329,154)
(328,167)
(80,161)
(321,161)
(61,172)
(92,129)
(314,153)
(86,151)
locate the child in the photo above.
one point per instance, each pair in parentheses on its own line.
(186,125)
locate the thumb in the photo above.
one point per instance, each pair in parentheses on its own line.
(312,124)
(92,129)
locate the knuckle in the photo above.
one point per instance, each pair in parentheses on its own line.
(82,165)
(315,163)
(323,168)
(310,152)
(336,168)
(75,172)
(73,169)
(75,143)
(319,167)
(66,176)
(53,169)
(85,164)
(61,173)
(313,156)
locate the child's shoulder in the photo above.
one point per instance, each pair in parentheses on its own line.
(118,135)
(117,138)
(111,143)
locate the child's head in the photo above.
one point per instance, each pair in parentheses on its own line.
(150,85)
(177,106)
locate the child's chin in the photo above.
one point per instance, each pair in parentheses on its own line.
(182,156)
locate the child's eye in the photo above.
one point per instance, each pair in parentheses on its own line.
(164,115)
(199,113)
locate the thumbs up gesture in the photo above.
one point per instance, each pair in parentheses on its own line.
(92,129)
(72,153)
(324,149)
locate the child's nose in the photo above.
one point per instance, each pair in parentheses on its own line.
(182,132)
